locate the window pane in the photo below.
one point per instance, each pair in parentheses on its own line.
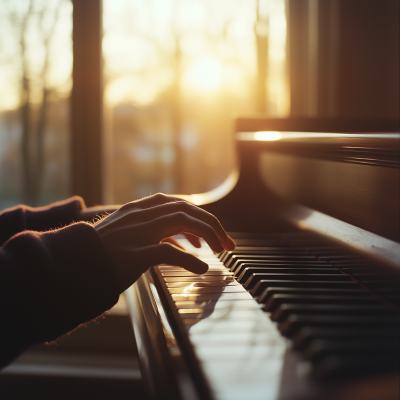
(35,83)
(175,72)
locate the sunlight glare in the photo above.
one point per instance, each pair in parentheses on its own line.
(267,135)
(205,75)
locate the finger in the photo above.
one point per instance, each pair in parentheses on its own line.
(153,201)
(173,241)
(193,240)
(180,222)
(192,210)
(164,253)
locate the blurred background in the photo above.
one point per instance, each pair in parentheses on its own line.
(152,109)
(174,72)
(114,100)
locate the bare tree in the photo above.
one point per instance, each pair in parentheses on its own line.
(172,57)
(32,138)
(46,37)
(261,28)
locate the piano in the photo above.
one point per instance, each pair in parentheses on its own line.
(307,305)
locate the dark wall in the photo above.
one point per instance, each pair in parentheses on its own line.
(344,58)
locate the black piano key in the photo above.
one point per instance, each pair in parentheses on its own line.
(264,284)
(249,257)
(393,299)
(317,349)
(266,250)
(340,263)
(260,243)
(277,299)
(381,284)
(240,265)
(374,275)
(239,251)
(269,292)
(339,367)
(284,310)
(248,271)
(307,334)
(256,277)
(301,264)
(338,257)
(354,270)
(222,255)
(294,322)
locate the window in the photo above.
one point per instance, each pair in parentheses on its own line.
(175,72)
(35,82)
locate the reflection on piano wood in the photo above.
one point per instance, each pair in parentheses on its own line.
(307,305)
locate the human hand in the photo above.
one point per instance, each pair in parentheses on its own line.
(134,235)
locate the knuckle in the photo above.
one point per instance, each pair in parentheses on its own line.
(160,196)
(166,249)
(181,216)
(126,207)
(182,206)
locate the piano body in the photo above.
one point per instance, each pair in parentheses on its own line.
(307,306)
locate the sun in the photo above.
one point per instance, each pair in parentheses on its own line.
(205,75)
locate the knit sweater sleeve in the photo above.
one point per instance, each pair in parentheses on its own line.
(17,219)
(51,282)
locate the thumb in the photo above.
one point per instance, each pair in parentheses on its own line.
(164,253)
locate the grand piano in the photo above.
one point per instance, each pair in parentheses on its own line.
(307,305)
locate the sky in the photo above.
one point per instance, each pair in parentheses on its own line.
(216,39)
(60,48)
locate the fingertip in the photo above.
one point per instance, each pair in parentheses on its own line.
(199,268)
(193,240)
(202,268)
(231,243)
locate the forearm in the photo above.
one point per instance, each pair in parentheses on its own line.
(50,283)
(55,215)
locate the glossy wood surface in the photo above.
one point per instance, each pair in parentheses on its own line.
(213,320)
(365,196)
(164,367)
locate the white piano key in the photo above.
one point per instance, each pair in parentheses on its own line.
(232,339)
(222,314)
(221,297)
(201,284)
(255,379)
(255,351)
(207,326)
(190,289)
(211,268)
(239,347)
(200,279)
(226,305)
(190,274)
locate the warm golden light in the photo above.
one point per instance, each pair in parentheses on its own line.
(205,75)
(267,135)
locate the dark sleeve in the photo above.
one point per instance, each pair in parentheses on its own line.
(51,282)
(17,219)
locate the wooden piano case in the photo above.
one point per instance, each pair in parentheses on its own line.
(318,185)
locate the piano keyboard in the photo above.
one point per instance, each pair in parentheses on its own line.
(284,295)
